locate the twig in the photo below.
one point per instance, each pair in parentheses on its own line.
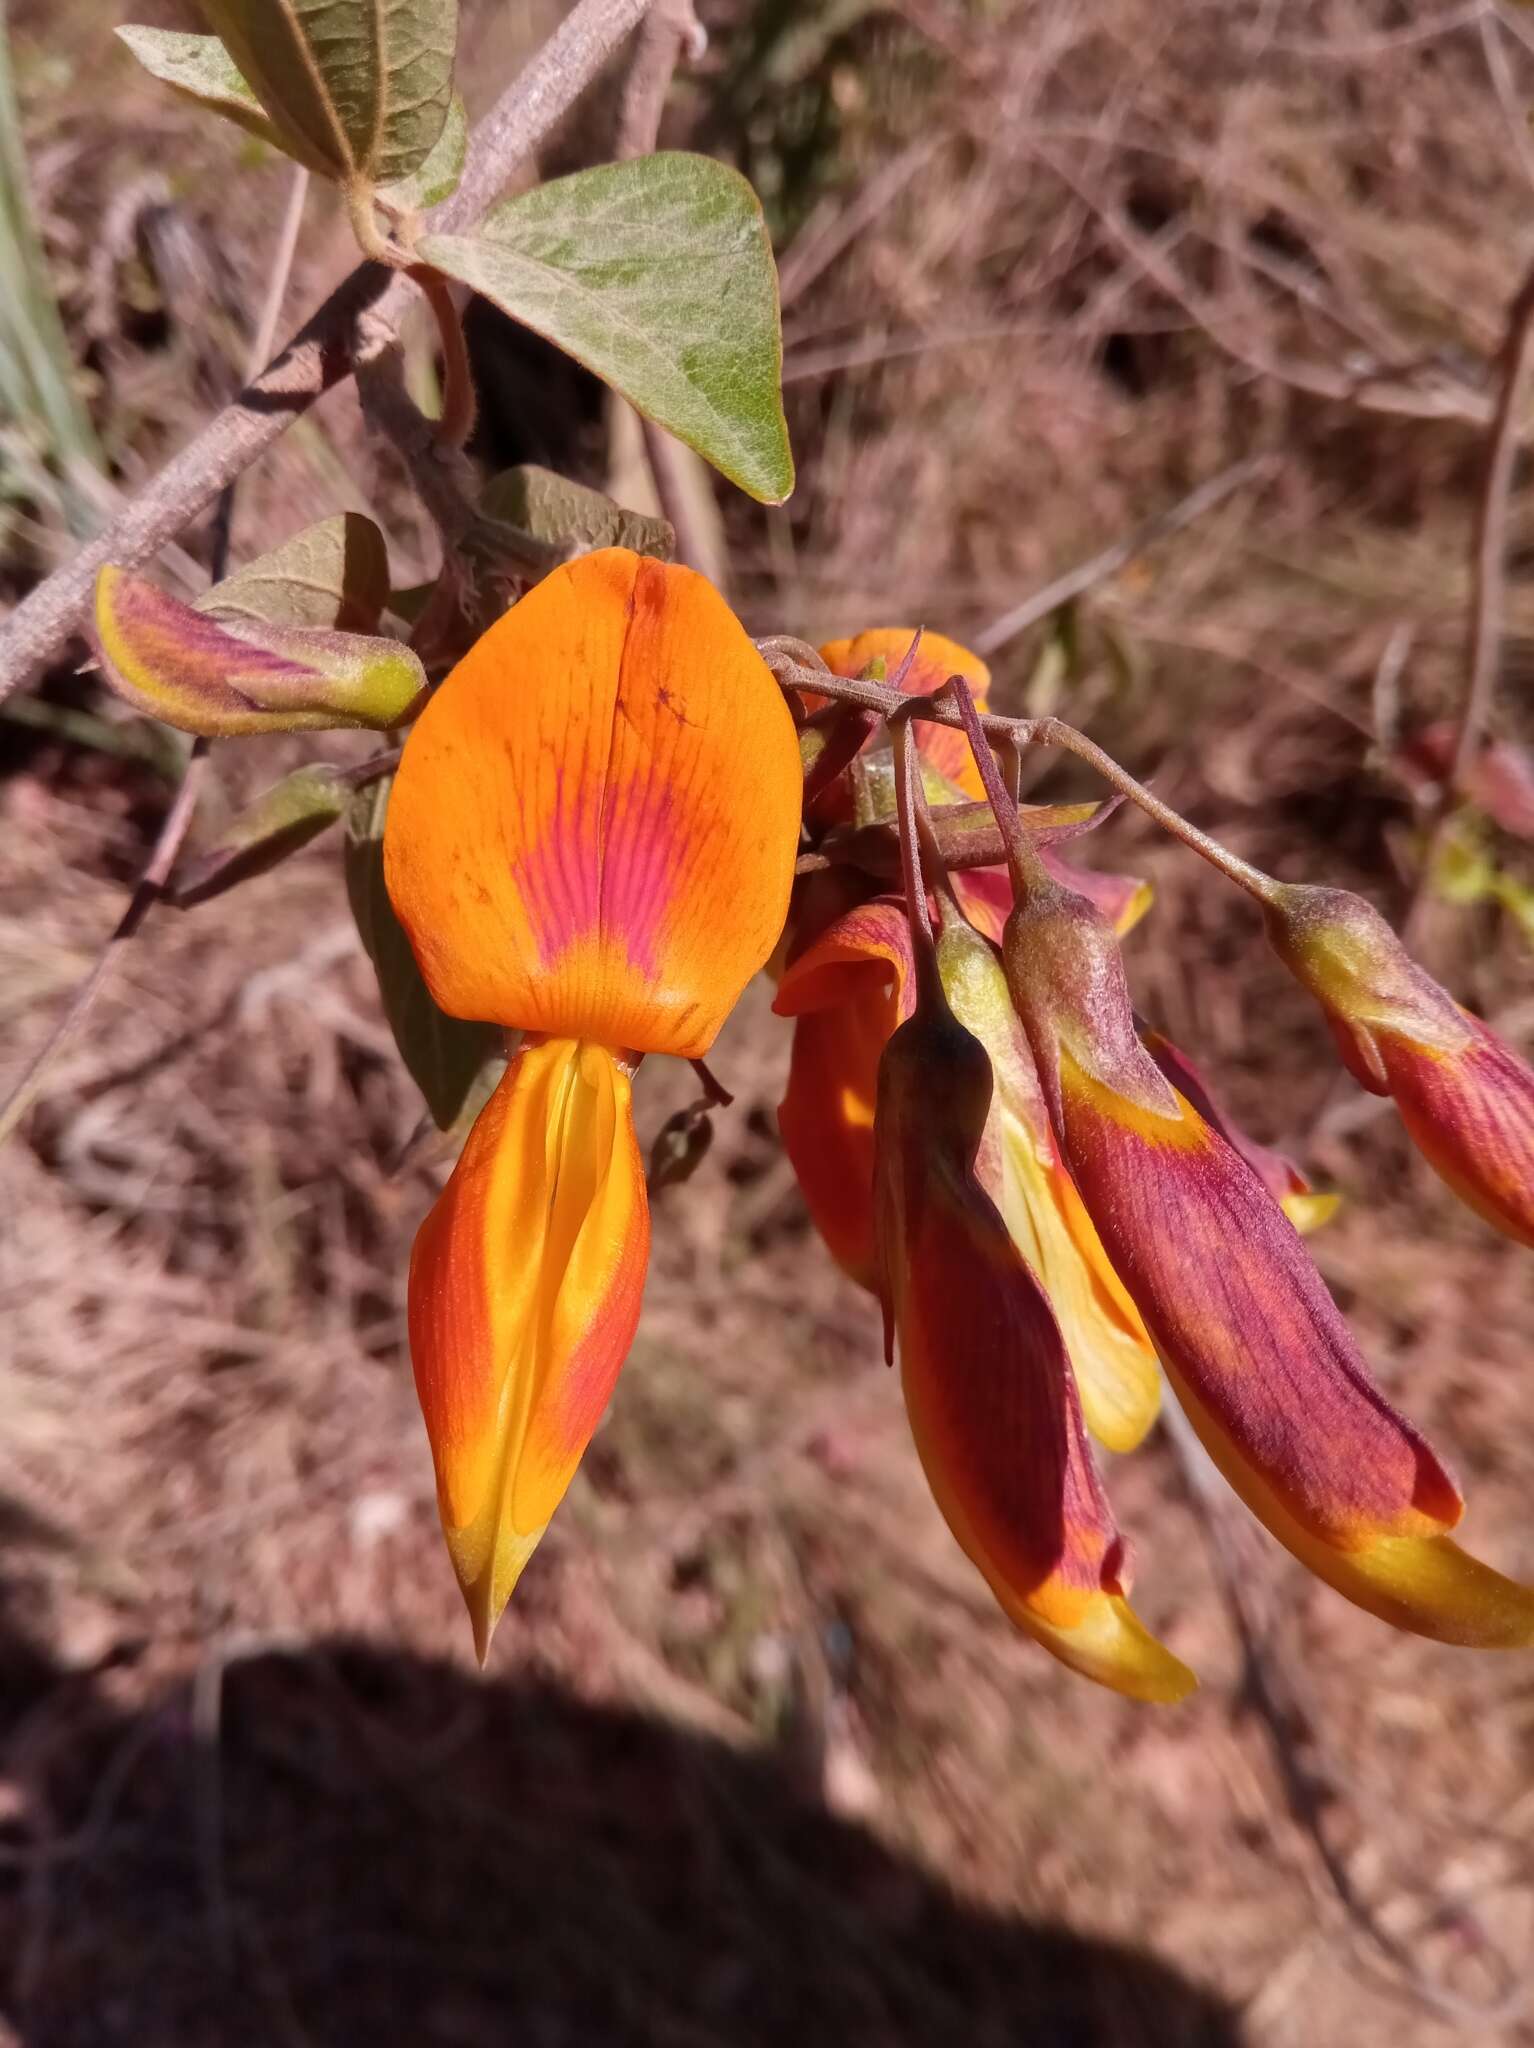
(1488,580)
(324,350)
(1214,491)
(145,895)
(1272,1686)
(793,674)
(178,819)
(670,29)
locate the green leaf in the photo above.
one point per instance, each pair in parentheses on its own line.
(280,821)
(447,1058)
(332,574)
(658,276)
(362,85)
(437,178)
(550,508)
(193,671)
(201,70)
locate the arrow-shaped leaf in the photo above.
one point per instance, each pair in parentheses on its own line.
(657,275)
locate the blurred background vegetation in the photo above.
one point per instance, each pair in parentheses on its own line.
(757,1760)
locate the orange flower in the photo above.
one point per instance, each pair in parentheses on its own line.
(1465,1097)
(988,1386)
(1020,1167)
(942,747)
(610,764)
(1257,1352)
(848,990)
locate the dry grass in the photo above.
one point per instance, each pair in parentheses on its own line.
(758,1761)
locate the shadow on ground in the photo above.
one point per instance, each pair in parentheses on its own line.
(365,1847)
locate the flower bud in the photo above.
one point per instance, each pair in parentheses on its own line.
(198,673)
(1465,1097)
(988,1385)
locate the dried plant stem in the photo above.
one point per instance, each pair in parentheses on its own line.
(1087,575)
(1273,1685)
(670,28)
(323,351)
(908,800)
(151,884)
(146,894)
(1488,584)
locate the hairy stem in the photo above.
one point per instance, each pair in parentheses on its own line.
(1046,732)
(459,404)
(908,793)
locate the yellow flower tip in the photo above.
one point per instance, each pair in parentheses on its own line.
(1113,1647)
(1430,1586)
(488,1565)
(1422,1582)
(1308,1212)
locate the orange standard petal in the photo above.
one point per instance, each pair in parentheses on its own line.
(525,1286)
(848,990)
(593,828)
(988,1386)
(1269,1374)
(943,747)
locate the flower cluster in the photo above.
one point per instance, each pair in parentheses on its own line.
(592,841)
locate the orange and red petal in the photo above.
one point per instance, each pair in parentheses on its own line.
(1020,1168)
(847,990)
(988,1386)
(944,747)
(593,828)
(525,1288)
(1262,1360)
(826,1119)
(1471,1113)
(1276,1170)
